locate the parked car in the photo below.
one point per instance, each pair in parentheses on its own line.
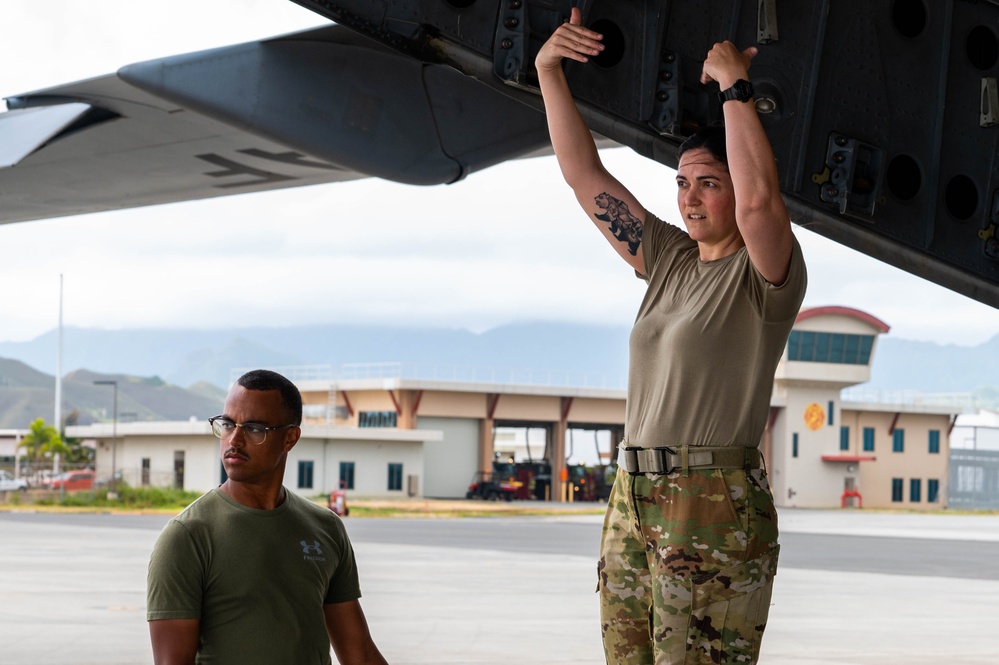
(9,483)
(74,480)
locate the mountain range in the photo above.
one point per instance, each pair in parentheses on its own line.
(27,394)
(184,357)
(184,370)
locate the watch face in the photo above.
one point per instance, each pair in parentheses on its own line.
(743,90)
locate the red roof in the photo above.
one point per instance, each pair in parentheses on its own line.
(836,310)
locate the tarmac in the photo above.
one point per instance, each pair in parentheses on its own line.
(72,590)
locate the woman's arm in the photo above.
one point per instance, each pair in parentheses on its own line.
(760,212)
(611,207)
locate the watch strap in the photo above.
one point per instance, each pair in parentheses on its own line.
(741,90)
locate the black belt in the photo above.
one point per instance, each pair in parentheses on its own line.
(663,459)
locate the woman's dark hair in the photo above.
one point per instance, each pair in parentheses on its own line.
(263,379)
(711,139)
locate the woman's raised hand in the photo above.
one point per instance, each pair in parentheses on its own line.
(726,63)
(571,40)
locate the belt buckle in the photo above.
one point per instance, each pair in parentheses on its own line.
(629,449)
(665,452)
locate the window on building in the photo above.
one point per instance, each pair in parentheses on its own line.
(915,490)
(823,347)
(831,405)
(934,442)
(794,445)
(145,472)
(932,490)
(305,474)
(178,469)
(346,475)
(394,476)
(844,438)
(377,419)
(896,490)
(868,439)
(898,441)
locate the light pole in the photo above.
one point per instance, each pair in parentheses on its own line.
(113,494)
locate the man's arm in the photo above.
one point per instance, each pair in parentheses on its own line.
(175,641)
(349,635)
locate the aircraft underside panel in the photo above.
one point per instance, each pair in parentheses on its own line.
(884,115)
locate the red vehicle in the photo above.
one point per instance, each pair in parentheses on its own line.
(488,486)
(74,480)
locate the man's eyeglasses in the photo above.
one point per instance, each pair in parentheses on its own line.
(253,433)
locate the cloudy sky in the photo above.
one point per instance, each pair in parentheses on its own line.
(507,244)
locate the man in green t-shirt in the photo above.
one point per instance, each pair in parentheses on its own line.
(250,572)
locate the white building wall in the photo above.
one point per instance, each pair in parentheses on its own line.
(371,460)
(9,439)
(808,481)
(308,450)
(201,460)
(979,431)
(203,467)
(837,323)
(203,464)
(777,465)
(450,464)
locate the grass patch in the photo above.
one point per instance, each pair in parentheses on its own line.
(129,498)
(442,508)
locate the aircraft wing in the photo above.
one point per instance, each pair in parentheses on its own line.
(325,105)
(883,115)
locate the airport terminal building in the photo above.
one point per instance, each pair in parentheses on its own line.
(387,432)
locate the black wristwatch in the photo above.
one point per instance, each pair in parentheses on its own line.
(742,91)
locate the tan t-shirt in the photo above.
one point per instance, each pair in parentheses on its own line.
(706,344)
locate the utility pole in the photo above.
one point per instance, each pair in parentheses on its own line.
(58,380)
(113,493)
(58,376)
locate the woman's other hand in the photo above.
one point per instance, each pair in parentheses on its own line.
(726,64)
(571,40)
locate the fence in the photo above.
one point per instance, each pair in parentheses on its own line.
(960,400)
(40,475)
(974,479)
(452,373)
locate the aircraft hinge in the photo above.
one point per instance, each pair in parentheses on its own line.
(852,175)
(510,44)
(990,103)
(766,21)
(666,103)
(990,234)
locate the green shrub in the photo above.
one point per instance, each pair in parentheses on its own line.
(128,497)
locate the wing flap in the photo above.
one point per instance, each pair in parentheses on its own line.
(151,153)
(24,131)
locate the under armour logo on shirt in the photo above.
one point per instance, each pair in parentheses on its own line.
(310,549)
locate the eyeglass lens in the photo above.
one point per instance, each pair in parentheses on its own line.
(253,434)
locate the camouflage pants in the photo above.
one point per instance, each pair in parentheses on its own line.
(686,567)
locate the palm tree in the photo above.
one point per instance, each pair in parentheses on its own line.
(78,454)
(42,440)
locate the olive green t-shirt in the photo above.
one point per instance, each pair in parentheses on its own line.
(256,579)
(706,344)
